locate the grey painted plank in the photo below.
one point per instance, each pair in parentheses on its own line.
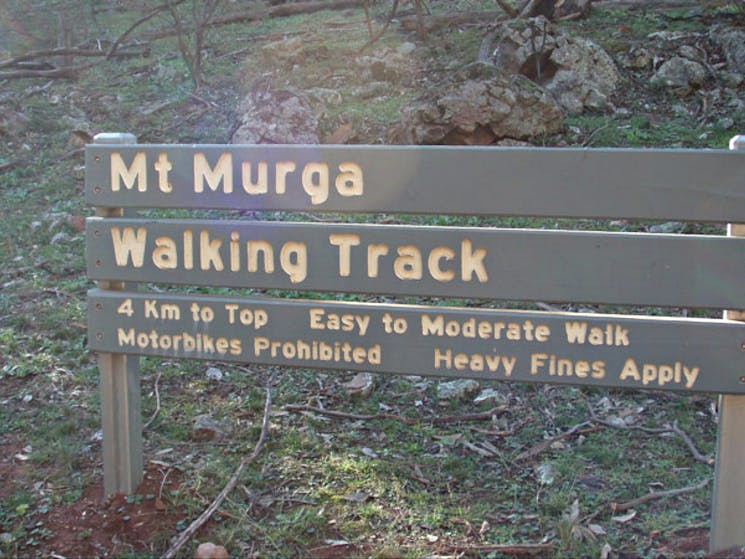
(618,351)
(694,185)
(507,264)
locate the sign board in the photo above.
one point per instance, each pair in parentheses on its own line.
(453,262)
(692,185)
(593,350)
(486,263)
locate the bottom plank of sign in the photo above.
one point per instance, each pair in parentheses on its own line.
(593,350)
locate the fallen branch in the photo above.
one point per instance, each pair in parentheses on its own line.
(186,535)
(284,10)
(691,446)
(432,23)
(656,431)
(543,445)
(479,416)
(8,165)
(65,72)
(516,550)
(654,495)
(157,403)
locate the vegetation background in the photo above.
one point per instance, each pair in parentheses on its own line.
(399,471)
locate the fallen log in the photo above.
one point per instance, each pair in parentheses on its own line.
(282,10)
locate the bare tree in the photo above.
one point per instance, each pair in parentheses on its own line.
(190,31)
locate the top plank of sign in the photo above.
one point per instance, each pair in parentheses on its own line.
(661,184)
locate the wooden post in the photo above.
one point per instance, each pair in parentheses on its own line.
(728,508)
(120,390)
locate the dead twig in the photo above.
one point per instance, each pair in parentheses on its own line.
(543,445)
(479,416)
(375,37)
(157,403)
(654,495)
(691,446)
(515,550)
(675,429)
(8,165)
(186,535)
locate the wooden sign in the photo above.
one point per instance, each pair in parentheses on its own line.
(466,263)
(487,263)
(593,350)
(610,183)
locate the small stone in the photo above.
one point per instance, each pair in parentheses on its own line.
(6,538)
(457,389)
(213,373)
(489,395)
(726,123)
(211,551)
(207,429)
(733,79)
(668,227)
(361,386)
(406,49)
(60,237)
(680,74)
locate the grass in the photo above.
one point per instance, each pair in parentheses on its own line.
(388,488)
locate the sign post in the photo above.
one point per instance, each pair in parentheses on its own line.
(728,514)
(120,389)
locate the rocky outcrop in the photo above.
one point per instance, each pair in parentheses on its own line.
(576,71)
(271,115)
(480,111)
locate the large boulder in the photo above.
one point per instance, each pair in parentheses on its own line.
(270,115)
(480,111)
(682,75)
(577,71)
(732,42)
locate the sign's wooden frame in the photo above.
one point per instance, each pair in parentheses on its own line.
(476,263)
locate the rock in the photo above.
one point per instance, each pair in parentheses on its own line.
(457,389)
(60,238)
(637,58)
(577,71)
(275,116)
(490,396)
(681,74)
(668,227)
(405,49)
(480,112)
(215,374)
(209,550)
(586,75)
(733,80)
(732,42)
(361,386)
(380,69)
(207,429)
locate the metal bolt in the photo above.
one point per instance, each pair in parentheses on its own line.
(97,190)
(742,346)
(99,307)
(99,337)
(97,158)
(98,263)
(96,233)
